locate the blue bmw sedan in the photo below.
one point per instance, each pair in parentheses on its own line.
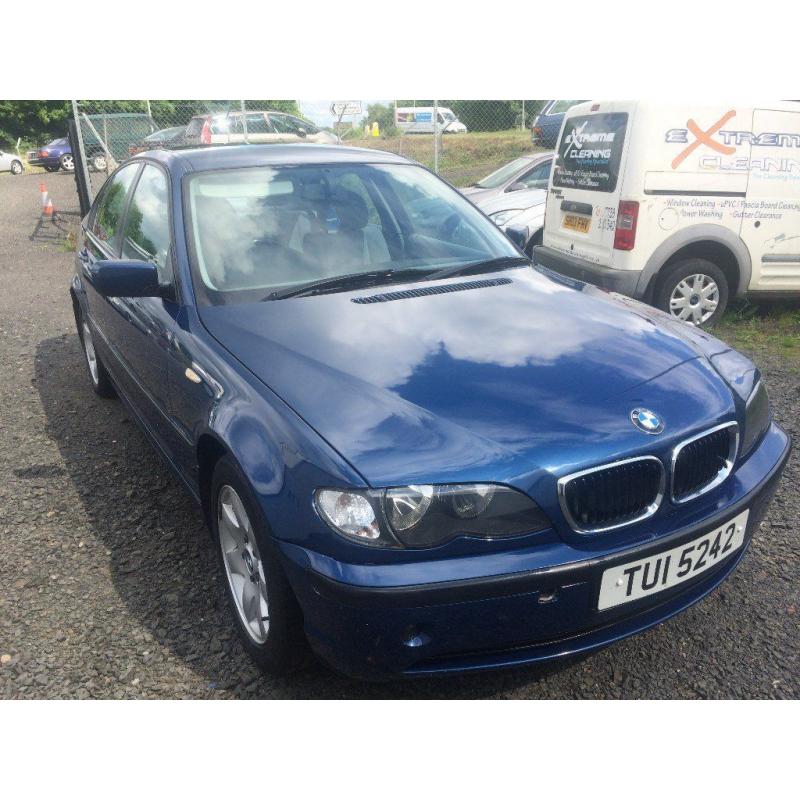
(417,452)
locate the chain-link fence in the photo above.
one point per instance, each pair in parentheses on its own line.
(462,140)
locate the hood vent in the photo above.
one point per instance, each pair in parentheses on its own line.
(404,294)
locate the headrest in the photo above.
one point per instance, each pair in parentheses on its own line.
(350,208)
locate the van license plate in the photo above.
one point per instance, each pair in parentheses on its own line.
(576,223)
(637,579)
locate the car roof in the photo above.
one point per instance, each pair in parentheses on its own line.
(196,159)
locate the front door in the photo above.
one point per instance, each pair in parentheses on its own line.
(151,320)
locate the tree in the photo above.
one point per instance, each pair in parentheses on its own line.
(384,116)
(32,119)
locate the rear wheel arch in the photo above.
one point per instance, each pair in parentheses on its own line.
(715,252)
(714,243)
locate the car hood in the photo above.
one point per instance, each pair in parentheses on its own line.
(524,198)
(532,373)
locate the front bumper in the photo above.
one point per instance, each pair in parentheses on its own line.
(623,281)
(371,626)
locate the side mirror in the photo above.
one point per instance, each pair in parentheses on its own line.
(125,278)
(518,235)
(302,133)
(516,187)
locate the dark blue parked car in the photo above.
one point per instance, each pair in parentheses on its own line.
(547,123)
(53,156)
(415,451)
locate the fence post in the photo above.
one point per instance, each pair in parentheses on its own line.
(149,112)
(522,127)
(244,121)
(436,136)
(82,152)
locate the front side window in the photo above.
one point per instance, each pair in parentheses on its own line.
(256,230)
(537,177)
(108,214)
(147,236)
(590,152)
(505,173)
(283,124)
(303,124)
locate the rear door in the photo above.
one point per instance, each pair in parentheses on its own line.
(771,217)
(586,182)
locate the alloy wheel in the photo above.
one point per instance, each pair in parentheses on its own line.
(91,356)
(16,167)
(67,162)
(694,299)
(243,564)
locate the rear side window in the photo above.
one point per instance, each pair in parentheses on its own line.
(590,152)
(112,203)
(195,126)
(147,228)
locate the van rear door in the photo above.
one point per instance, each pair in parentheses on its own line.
(586,182)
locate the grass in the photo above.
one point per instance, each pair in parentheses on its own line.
(763,327)
(463,157)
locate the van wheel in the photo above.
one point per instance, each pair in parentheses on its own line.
(693,290)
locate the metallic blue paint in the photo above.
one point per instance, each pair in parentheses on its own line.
(517,384)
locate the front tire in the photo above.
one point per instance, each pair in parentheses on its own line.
(693,290)
(265,611)
(16,167)
(67,162)
(97,162)
(98,374)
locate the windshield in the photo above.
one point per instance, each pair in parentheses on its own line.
(505,173)
(260,229)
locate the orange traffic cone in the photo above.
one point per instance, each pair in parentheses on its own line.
(44,195)
(48,209)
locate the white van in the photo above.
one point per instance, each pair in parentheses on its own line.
(419,119)
(683,206)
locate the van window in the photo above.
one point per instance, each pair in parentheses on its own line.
(590,151)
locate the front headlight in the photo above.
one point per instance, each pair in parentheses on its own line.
(738,371)
(757,417)
(502,217)
(428,516)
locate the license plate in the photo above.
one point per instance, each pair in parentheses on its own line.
(628,582)
(577,223)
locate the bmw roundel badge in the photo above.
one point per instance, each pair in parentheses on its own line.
(647,421)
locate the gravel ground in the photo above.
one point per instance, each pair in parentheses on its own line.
(109,587)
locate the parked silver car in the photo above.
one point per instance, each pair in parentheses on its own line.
(11,162)
(526,172)
(255,127)
(520,209)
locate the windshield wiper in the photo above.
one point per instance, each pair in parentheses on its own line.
(490,265)
(341,282)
